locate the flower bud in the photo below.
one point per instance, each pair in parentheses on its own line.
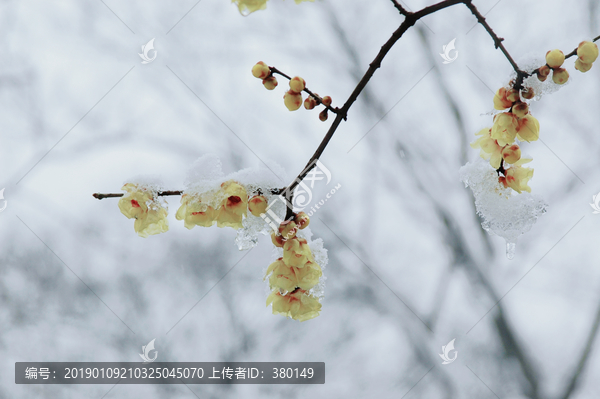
(587,52)
(511,153)
(582,66)
(512,95)
(260,70)
(520,109)
(270,83)
(310,102)
(288,229)
(257,205)
(292,100)
(560,76)
(326,101)
(277,240)
(323,115)
(527,93)
(302,220)
(543,72)
(297,84)
(555,58)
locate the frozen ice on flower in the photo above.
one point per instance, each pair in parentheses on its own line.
(504,212)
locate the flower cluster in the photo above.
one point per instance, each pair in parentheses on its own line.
(587,53)
(498,144)
(293,97)
(554,61)
(293,275)
(226,207)
(247,7)
(141,203)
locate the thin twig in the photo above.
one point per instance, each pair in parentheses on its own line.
(274,191)
(116,195)
(497,41)
(401,9)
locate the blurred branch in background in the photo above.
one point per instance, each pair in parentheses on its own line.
(583,361)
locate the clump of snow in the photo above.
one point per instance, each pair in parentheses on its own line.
(206,168)
(504,212)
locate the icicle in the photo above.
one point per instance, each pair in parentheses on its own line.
(510,249)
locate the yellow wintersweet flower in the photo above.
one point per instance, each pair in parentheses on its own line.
(234,206)
(288,278)
(247,7)
(296,252)
(140,203)
(528,129)
(501,101)
(195,212)
(297,304)
(489,147)
(517,177)
(505,128)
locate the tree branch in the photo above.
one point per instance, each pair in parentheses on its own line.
(275,191)
(342,113)
(410,20)
(497,40)
(116,195)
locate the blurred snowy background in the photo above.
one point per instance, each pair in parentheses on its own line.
(410,267)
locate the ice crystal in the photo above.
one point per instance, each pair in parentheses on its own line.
(504,212)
